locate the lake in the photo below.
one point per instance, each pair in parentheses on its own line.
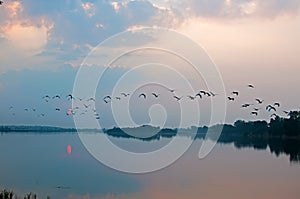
(58,165)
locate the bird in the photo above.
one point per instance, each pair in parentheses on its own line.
(198,94)
(191,97)
(177,98)
(25,109)
(202,92)
(57,109)
(260,101)
(125,94)
(256,109)
(80,99)
(118,98)
(56,96)
(230,98)
(142,95)
(155,95)
(46,98)
(212,93)
(246,105)
(254,113)
(91,99)
(70,97)
(235,93)
(277,104)
(106,99)
(250,86)
(86,106)
(286,112)
(171,90)
(97,118)
(273,115)
(270,107)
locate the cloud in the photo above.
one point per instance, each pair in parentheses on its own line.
(231,9)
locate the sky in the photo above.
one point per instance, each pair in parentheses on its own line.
(43,45)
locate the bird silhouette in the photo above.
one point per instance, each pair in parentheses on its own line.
(235,93)
(202,92)
(70,97)
(212,93)
(254,113)
(277,104)
(250,86)
(270,108)
(56,97)
(274,115)
(198,94)
(230,98)
(91,99)
(246,105)
(57,109)
(155,95)
(125,94)
(46,98)
(171,90)
(256,109)
(86,106)
(286,112)
(260,101)
(191,97)
(143,95)
(177,98)
(106,99)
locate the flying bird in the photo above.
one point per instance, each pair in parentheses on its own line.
(70,97)
(246,105)
(142,95)
(56,96)
(235,93)
(230,98)
(260,101)
(286,112)
(250,86)
(270,108)
(254,113)
(125,94)
(171,90)
(155,95)
(212,93)
(46,98)
(177,98)
(198,94)
(57,109)
(274,115)
(91,99)
(86,106)
(277,104)
(191,97)
(256,109)
(106,99)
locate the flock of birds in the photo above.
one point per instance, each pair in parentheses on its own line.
(84,104)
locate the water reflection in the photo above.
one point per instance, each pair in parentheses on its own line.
(41,163)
